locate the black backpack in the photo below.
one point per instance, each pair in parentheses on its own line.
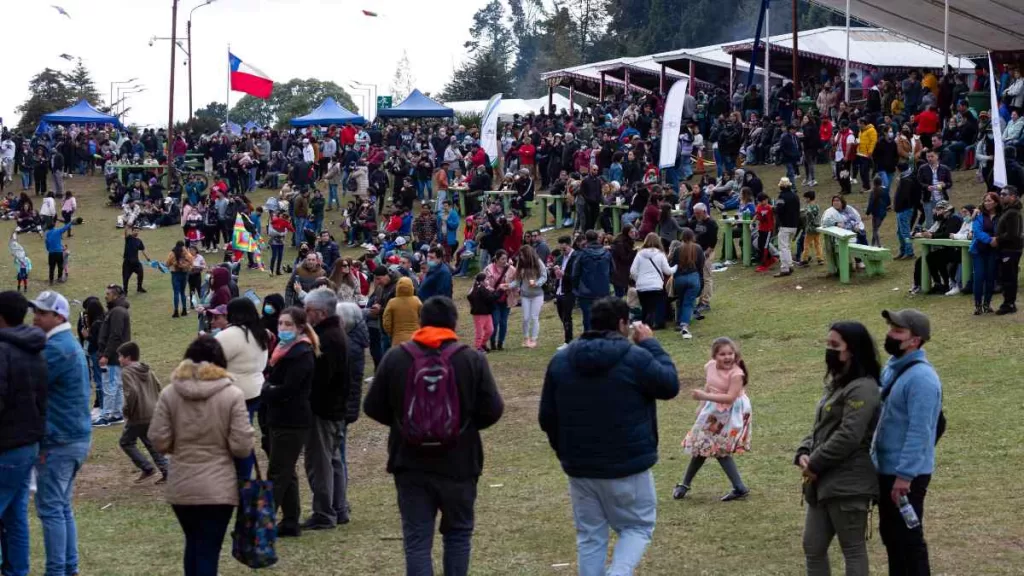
(940,426)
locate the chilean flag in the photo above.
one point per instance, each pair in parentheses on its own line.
(248,79)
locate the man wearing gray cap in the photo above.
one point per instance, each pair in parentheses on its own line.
(904,446)
(68,431)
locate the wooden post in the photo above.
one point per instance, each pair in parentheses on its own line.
(572,97)
(600,89)
(551,99)
(796,58)
(661,80)
(627,80)
(732,76)
(693,81)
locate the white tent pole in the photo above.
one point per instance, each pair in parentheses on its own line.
(846,79)
(945,36)
(767,51)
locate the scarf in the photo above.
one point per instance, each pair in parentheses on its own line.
(281,349)
(433,337)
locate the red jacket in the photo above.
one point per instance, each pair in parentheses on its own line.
(514,241)
(479,157)
(394,223)
(348,135)
(527,154)
(280,224)
(927,123)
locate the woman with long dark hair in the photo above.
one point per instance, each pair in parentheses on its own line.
(200,421)
(688,279)
(984,252)
(623,252)
(835,458)
(89,324)
(286,394)
(531,275)
(500,278)
(179,261)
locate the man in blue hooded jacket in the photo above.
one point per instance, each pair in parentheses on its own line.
(598,410)
(592,275)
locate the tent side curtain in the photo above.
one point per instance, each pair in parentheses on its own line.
(327,113)
(80,113)
(417,105)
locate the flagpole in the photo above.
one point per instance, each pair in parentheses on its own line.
(227,97)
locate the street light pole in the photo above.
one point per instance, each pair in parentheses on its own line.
(188,30)
(112,84)
(170,105)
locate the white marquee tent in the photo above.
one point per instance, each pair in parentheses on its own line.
(510,106)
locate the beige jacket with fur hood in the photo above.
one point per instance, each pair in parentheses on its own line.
(201,420)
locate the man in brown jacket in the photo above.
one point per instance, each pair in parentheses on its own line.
(141,391)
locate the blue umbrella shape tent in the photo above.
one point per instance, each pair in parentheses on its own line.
(81,113)
(330,112)
(417,106)
(250,125)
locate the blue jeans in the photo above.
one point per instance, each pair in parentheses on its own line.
(420,497)
(276,256)
(26,180)
(791,172)
(500,317)
(672,178)
(243,466)
(97,376)
(984,276)
(903,232)
(719,163)
(15,471)
(252,179)
(626,505)
(113,393)
(687,287)
(300,225)
(332,196)
(886,179)
(730,163)
(179,285)
(424,189)
(686,166)
(929,218)
(56,469)
(585,305)
(620,291)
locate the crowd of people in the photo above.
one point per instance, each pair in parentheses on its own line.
(296,364)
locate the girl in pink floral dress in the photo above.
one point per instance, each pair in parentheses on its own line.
(723,419)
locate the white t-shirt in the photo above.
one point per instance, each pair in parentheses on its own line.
(840,152)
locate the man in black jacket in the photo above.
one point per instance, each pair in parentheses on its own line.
(706,230)
(591,190)
(432,478)
(1009,238)
(328,399)
(116,330)
(22,422)
(787,215)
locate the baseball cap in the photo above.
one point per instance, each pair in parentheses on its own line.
(221,310)
(400,241)
(50,301)
(943,205)
(911,319)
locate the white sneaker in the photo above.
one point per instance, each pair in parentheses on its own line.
(96,413)
(953,291)
(685,333)
(563,346)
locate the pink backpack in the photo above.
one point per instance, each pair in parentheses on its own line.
(431,413)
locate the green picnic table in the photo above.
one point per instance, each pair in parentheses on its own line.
(544,199)
(617,210)
(837,250)
(462,198)
(728,225)
(925,245)
(506,197)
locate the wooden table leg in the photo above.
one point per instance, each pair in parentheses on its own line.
(844,261)
(747,248)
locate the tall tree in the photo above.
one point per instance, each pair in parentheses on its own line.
(590,18)
(291,99)
(525,17)
(478,79)
(80,83)
(47,92)
(207,119)
(489,33)
(403,82)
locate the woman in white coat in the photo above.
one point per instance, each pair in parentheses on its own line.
(245,343)
(649,271)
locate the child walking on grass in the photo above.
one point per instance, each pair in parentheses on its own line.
(22,263)
(723,419)
(481,307)
(141,391)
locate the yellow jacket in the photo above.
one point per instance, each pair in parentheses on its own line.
(868,139)
(402,315)
(931,82)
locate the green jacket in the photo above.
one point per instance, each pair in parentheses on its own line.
(840,443)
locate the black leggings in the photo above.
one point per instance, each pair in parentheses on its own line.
(649,302)
(56,261)
(204,527)
(129,268)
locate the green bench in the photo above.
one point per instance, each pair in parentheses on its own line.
(874,258)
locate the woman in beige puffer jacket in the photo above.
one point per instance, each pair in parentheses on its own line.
(201,421)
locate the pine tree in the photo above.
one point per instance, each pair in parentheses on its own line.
(478,79)
(47,92)
(81,85)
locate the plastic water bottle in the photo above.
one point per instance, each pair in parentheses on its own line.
(909,515)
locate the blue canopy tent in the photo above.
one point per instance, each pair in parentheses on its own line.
(250,126)
(417,106)
(330,112)
(81,113)
(232,128)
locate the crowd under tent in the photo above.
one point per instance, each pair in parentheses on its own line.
(80,113)
(327,113)
(417,105)
(509,107)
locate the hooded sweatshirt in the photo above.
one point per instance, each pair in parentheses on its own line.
(220,280)
(141,391)
(201,421)
(402,314)
(23,391)
(116,329)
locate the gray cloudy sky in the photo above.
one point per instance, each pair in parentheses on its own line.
(326,39)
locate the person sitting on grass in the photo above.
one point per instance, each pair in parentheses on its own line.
(141,391)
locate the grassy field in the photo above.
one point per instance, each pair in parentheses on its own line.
(524,522)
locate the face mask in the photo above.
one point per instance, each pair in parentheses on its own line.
(892,346)
(215,331)
(832,361)
(432,264)
(286,336)
(268,309)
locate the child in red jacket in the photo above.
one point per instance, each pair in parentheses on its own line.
(765,218)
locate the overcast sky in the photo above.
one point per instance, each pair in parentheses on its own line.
(325,39)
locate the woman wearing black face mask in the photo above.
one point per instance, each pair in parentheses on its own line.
(835,459)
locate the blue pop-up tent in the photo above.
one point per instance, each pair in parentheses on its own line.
(250,126)
(81,113)
(330,112)
(232,128)
(416,105)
